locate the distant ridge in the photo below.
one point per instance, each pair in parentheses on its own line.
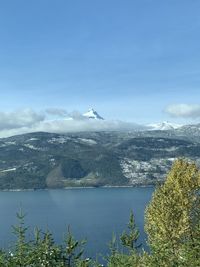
(163,126)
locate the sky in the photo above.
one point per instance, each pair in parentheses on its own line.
(131,60)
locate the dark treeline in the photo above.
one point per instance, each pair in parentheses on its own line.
(172,224)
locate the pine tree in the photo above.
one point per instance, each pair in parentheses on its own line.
(129,239)
(172,217)
(74,251)
(44,251)
(20,255)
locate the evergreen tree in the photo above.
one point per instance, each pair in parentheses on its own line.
(44,251)
(129,239)
(172,217)
(21,252)
(74,251)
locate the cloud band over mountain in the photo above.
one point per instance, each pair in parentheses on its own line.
(184,110)
(19,119)
(28,120)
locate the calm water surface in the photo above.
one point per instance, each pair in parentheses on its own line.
(92,213)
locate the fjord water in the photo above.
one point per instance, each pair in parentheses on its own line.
(92,213)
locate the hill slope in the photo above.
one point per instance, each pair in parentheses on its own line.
(47,160)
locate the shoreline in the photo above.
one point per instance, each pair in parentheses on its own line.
(75,187)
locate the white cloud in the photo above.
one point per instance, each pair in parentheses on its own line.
(76,115)
(57,112)
(84,125)
(184,111)
(25,121)
(19,119)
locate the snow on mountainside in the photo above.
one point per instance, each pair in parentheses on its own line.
(92,114)
(190,130)
(165,125)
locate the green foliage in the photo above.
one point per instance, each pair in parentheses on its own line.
(42,250)
(172,224)
(172,217)
(22,249)
(129,239)
(73,250)
(72,169)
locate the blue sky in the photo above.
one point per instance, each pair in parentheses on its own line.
(129,59)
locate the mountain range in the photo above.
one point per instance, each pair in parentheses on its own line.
(165,125)
(104,158)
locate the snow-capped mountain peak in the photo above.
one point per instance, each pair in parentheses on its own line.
(92,114)
(165,125)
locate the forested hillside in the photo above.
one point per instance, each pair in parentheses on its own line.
(48,160)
